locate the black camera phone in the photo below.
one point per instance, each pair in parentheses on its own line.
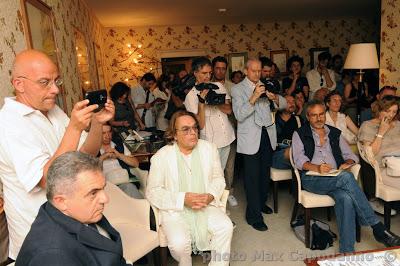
(98,97)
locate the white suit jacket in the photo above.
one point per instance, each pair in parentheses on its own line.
(163,185)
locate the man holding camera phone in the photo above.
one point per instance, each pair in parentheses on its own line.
(35,132)
(256,139)
(213,119)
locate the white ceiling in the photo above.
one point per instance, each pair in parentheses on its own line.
(113,13)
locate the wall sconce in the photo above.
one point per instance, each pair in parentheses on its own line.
(132,60)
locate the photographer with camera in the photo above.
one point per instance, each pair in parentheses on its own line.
(256,139)
(211,105)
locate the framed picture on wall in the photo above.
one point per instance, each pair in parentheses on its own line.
(237,62)
(280,57)
(314,52)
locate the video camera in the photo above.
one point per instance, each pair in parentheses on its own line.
(186,83)
(212,97)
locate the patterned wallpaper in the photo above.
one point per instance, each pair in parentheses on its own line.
(68,15)
(390,37)
(256,39)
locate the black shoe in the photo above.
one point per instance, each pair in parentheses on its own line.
(260,226)
(267,210)
(388,238)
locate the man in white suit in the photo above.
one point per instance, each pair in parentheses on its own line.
(256,139)
(186,182)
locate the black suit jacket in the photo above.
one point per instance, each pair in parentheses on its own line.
(57,239)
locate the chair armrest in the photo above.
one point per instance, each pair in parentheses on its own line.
(224,199)
(142,175)
(355,170)
(123,209)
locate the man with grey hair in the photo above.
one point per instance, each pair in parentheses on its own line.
(76,232)
(322,155)
(256,139)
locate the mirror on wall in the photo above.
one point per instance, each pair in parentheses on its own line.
(99,66)
(39,31)
(82,56)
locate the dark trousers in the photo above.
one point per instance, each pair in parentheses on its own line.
(368,179)
(257,178)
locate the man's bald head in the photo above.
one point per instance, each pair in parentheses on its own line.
(34,77)
(28,60)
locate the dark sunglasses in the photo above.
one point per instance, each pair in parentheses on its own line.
(322,81)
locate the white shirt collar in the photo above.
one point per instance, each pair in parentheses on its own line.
(17,107)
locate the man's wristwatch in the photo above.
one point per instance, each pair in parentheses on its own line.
(379,136)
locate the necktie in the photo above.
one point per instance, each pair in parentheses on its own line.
(94,227)
(145,110)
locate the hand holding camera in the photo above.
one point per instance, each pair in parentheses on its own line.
(208,94)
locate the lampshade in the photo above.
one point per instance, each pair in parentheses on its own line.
(362,56)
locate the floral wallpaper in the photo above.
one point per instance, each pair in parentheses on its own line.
(390,37)
(121,62)
(69,15)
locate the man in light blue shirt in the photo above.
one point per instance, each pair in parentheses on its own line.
(321,148)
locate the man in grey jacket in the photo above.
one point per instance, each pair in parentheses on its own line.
(256,139)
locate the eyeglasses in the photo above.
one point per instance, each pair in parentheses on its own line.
(187,130)
(46,83)
(322,81)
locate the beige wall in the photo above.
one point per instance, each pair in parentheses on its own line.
(68,14)
(297,36)
(256,39)
(390,35)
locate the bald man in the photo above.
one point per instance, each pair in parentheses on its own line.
(256,139)
(34,131)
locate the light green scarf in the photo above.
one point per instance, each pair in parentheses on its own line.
(196,219)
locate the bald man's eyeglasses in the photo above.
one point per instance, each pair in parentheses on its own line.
(46,83)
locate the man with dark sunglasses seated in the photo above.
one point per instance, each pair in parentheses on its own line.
(321,76)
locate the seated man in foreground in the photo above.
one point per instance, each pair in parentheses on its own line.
(321,148)
(186,182)
(70,228)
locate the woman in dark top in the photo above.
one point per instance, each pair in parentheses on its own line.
(295,81)
(125,114)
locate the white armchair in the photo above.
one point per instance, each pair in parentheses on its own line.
(382,191)
(131,218)
(142,176)
(311,200)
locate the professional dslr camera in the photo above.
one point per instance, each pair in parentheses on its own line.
(212,98)
(269,86)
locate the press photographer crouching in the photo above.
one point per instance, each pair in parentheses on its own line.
(211,104)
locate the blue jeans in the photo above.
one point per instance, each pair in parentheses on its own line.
(279,161)
(349,202)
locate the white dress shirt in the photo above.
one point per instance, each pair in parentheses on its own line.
(27,141)
(217,129)
(138,95)
(314,81)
